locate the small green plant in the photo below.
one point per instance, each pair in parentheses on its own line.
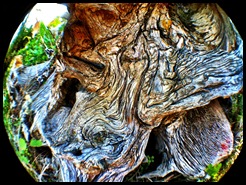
(36,143)
(22,145)
(6,106)
(145,166)
(34,51)
(237,108)
(213,170)
(22,153)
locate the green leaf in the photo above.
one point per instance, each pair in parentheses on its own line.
(24,159)
(55,22)
(22,144)
(42,29)
(213,170)
(36,143)
(47,36)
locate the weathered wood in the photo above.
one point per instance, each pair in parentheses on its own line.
(191,140)
(121,72)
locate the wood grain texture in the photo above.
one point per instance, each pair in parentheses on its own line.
(123,71)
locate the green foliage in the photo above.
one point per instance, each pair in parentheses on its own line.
(56,22)
(9,123)
(143,168)
(151,159)
(34,51)
(237,108)
(17,43)
(36,143)
(62,26)
(22,153)
(213,170)
(57,26)
(23,158)
(33,48)
(6,103)
(22,145)
(47,36)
